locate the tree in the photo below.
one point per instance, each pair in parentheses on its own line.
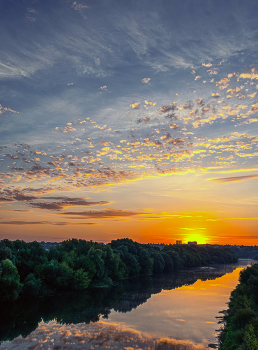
(10,285)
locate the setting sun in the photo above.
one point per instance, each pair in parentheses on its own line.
(195,235)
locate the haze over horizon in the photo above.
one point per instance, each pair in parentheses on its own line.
(129,119)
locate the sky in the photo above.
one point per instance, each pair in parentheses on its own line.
(130,119)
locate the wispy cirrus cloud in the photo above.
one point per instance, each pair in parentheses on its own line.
(59,203)
(104,214)
(65,202)
(24,222)
(235,178)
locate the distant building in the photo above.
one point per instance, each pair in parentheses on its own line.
(192,243)
(179,241)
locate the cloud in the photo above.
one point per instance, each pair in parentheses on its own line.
(254,108)
(22,222)
(10,156)
(143,119)
(207,64)
(188,105)
(235,178)
(65,202)
(223,83)
(150,103)
(104,214)
(146,80)
(177,142)
(60,202)
(5,109)
(31,14)
(65,129)
(8,195)
(4,200)
(174,126)
(168,108)
(78,7)
(20,210)
(135,105)
(250,75)
(199,101)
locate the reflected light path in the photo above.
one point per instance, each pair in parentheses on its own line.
(185,313)
(183,318)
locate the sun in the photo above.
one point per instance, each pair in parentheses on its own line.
(196,236)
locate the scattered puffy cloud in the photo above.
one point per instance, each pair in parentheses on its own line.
(135,105)
(148,103)
(253,109)
(66,129)
(168,108)
(223,83)
(6,109)
(249,75)
(174,126)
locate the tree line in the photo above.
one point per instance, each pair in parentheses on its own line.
(241,322)
(29,270)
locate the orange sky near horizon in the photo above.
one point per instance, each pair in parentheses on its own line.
(173,212)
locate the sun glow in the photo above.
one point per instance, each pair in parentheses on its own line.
(195,235)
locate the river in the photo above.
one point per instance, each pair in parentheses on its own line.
(179,311)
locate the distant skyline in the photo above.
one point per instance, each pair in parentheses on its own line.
(130,119)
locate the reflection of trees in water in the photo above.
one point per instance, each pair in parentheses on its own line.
(22,317)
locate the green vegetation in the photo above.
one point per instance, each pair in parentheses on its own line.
(28,270)
(241,328)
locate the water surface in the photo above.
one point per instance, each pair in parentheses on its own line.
(176,311)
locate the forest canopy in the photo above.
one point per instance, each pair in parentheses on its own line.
(29,270)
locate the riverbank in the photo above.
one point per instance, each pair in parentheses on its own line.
(241,322)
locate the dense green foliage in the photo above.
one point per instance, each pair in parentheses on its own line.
(28,270)
(241,328)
